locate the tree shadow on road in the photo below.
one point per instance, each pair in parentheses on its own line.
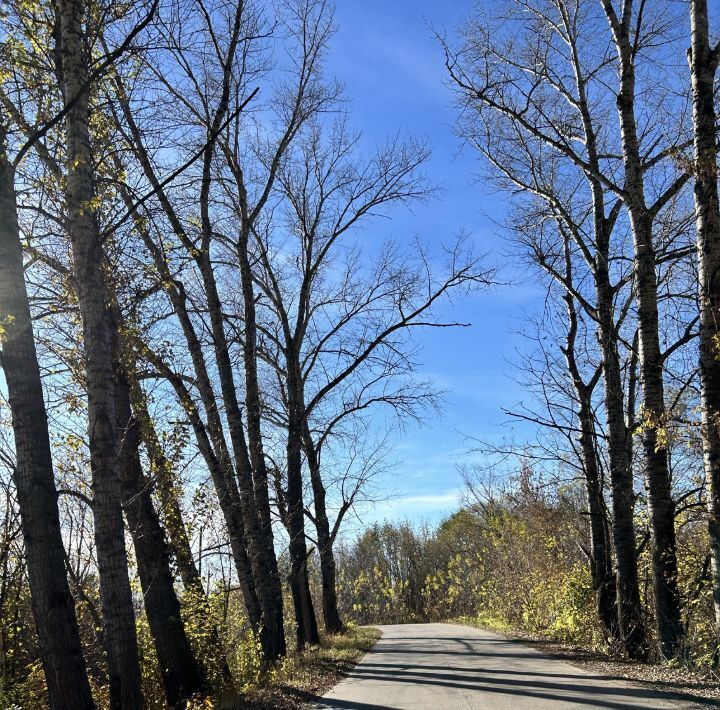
(592,691)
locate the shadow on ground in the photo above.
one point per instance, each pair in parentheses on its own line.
(586,689)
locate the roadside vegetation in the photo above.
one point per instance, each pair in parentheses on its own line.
(514,560)
(304,676)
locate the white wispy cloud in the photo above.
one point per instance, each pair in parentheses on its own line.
(422,507)
(432,500)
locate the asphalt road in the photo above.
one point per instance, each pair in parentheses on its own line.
(448,667)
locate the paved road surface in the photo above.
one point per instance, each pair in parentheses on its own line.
(448,667)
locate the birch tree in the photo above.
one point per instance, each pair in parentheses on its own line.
(704,58)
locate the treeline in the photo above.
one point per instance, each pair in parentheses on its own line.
(515,558)
(194,335)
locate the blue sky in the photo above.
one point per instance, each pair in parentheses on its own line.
(392,68)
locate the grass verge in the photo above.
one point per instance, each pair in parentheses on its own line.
(303,677)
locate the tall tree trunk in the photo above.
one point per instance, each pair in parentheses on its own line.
(100,351)
(52,604)
(660,502)
(629,606)
(703,66)
(630,613)
(307,629)
(602,575)
(269,588)
(306,622)
(331,613)
(602,571)
(181,674)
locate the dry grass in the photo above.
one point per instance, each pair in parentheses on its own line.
(303,677)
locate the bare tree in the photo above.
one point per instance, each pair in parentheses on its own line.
(630,33)
(337,333)
(251,464)
(533,158)
(309,24)
(252,160)
(252,549)
(548,98)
